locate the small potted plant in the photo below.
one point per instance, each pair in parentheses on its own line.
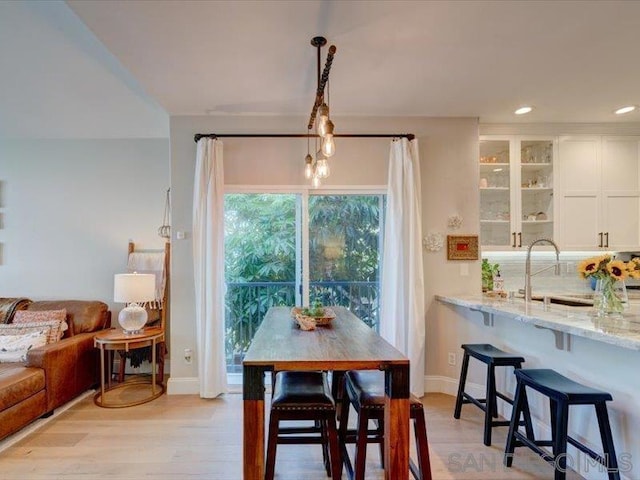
(489,270)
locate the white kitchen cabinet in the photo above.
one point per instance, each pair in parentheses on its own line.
(599,187)
(516,191)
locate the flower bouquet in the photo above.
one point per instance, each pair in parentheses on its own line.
(611,293)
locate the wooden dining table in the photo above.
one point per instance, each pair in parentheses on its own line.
(347,343)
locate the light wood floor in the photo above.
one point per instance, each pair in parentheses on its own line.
(184,437)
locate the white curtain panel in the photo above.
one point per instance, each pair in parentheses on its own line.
(208,266)
(402,321)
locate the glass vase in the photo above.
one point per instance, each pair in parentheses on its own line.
(610,298)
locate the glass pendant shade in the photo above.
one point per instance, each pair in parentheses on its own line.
(308,166)
(322,128)
(328,145)
(323,119)
(323,112)
(322,168)
(315,183)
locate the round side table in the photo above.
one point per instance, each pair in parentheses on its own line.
(116,339)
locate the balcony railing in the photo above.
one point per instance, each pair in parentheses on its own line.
(248,302)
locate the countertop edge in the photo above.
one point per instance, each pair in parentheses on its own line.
(622,332)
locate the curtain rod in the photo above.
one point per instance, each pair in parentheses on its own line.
(198,136)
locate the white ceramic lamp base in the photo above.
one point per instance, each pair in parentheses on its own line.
(132,318)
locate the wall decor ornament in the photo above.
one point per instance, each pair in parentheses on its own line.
(455,221)
(462,247)
(433,242)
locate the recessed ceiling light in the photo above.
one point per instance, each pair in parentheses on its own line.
(627,109)
(497,169)
(523,110)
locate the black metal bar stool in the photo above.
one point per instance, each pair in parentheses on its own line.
(562,393)
(365,391)
(303,396)
(492,357)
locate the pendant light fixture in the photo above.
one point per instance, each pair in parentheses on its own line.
(308,160)
(315,177)
(323,119)
(322,165)
(319,168)
(328,144)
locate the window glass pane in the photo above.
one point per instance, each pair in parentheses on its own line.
(260,264)
(345,234)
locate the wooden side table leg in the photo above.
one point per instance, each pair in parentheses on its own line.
(109,365)
(153,367)
(102,372)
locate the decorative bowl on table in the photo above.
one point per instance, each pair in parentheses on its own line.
(315,316)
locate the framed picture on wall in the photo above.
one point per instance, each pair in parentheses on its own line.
(462,247)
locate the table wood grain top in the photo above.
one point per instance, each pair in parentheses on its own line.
(346,343)
(116,339)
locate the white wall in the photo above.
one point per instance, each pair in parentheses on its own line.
(68,209)
(449,168)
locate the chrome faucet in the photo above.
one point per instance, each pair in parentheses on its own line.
(527,271)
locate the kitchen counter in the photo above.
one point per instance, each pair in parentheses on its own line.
(622,332)
(603,353)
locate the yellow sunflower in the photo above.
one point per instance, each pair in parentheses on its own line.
(633,267)
(617,269)
(589,266)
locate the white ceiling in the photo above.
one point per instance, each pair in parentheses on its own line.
(573,61)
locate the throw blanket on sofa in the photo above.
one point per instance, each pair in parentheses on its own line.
(8,307)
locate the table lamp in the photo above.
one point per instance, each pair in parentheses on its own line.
(132,289)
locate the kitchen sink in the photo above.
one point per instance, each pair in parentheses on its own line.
(585,300)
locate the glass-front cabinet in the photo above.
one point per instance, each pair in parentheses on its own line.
(516,191)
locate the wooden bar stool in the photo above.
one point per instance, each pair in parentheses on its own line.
(303,396)
(492,357)
(365,391)
(562,393)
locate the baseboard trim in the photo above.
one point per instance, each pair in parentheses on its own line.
(183,386)
(449,386)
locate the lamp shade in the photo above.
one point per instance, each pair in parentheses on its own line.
(134,287)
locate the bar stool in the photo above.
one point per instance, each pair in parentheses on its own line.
(303,396)
(492,357)
(365,391)
(562,393)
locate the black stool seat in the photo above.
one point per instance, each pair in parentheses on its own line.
(293,390)
(489,354)
(364,389)
(303,396)
(562,392)
(552,384)
(493,357)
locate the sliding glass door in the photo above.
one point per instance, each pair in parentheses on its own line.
(294,249)
(345,238)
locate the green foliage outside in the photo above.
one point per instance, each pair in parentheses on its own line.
(260,246)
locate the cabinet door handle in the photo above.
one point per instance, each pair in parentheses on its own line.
(606,239)
(519,239)
(600,242)
(513,244)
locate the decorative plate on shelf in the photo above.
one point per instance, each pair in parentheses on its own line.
(303,315)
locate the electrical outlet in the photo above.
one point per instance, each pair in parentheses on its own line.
(188,356)
(452,359)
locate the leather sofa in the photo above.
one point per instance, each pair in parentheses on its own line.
(54,373)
